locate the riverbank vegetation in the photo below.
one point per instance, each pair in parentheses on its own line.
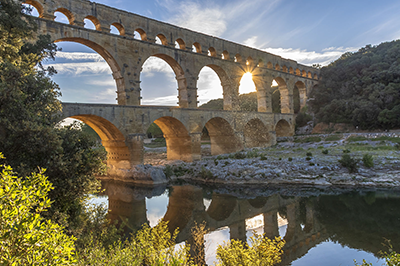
(361,88)
(30,136)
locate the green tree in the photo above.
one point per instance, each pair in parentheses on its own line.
(26,238)
(29,111)
(362,88)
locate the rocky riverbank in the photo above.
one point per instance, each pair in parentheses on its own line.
(316,160)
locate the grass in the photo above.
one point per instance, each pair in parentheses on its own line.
(334,138)
(383,138)
(370,148)
(308,140)
(356,138)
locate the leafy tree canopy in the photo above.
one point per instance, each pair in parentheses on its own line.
(361,88)
(29,113)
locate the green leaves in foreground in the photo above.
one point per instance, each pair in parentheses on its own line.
(149,246)
(25,237)
(262,252)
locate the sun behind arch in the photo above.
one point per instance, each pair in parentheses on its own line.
(247,84)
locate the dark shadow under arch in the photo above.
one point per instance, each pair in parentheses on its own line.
(222,136)
(283,129)
(177,138)
(111,137)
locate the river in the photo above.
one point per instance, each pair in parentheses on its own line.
(331,226)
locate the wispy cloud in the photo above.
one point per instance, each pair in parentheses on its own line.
(167,100)
(84,68)
(78,56)
(303,56)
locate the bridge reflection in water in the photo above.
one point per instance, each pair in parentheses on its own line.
(357,220)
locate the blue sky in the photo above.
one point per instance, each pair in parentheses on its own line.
(307,31)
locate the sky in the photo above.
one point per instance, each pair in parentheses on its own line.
(308,31)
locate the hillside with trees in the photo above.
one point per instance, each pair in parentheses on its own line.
(361,88)
(247,102)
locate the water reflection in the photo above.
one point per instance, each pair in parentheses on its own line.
(314,225)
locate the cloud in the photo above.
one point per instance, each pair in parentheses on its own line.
(311,57)
(84,68)
(196,17)
(167,100)
(154,64)
(78,56)
(324,57)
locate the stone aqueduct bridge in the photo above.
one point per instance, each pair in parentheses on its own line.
(186,209)
(122,126)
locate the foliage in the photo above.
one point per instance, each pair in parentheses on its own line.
(333,138)
(206,173)
(361,88)
(26,238)
(308,139)
(368,160)
(392,258)
(309,154)
(154,131)
(349,162)
(263,251)
(356,138)
(247,102)
(302,119)
(29,113)
(326,151)
(149,246)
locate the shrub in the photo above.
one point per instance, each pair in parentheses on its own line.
(367,160)
(325,151)
(149,246)
(238,155)
(252,154)
(206,174)
(311,164)
(262,251)
(168,171)
(25,237)
(308,158)
(346,151)
(290,159)
(349,162)
(263,157)
(309,154)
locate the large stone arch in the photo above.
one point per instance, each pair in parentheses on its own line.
(256,134)
(118,155)
(179,75)
(177,138)
(222,136)
(36,5)
(283,129)
(115,68)
(286,96)
(229,95)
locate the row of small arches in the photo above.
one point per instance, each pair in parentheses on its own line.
(117,28)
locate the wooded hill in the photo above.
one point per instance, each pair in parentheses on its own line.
(361,88)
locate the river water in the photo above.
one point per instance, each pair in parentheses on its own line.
(332,226)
